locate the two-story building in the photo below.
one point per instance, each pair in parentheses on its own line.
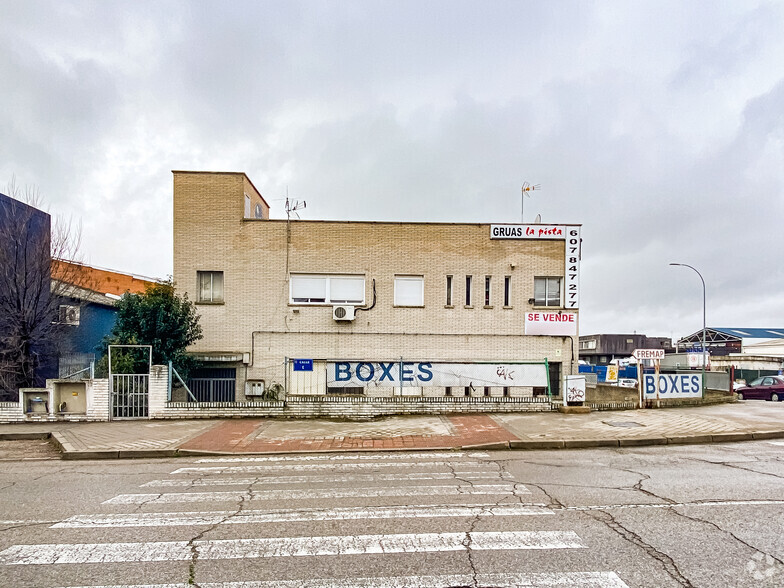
(317,307)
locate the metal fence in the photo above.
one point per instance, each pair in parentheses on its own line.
(129,395)
(214,384)
(76,366)
(129,391)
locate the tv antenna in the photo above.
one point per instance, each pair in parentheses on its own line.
(292,206)
(527,188)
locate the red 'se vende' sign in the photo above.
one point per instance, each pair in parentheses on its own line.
(559,324)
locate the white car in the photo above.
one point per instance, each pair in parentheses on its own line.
(627,382)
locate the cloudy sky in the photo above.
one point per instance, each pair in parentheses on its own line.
(657,125)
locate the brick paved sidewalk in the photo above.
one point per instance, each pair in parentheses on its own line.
(436,432)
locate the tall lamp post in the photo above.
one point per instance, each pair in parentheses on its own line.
(704,350)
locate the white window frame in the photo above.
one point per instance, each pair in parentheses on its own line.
(409,280)
(549,299)
(212,298)
(328,279)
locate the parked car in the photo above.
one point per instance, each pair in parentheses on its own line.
(764,388)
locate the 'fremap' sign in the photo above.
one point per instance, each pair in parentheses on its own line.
(673,385)
(648,354)
(561,324)
(343,374)
(569,234)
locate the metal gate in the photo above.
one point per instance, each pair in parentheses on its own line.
(128,392)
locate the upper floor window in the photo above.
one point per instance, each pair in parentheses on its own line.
(449,290)
(468,291)
(326,289)
(210,286)
(247,206)
(487,290)
(507,290)
(409,290)
(547,291)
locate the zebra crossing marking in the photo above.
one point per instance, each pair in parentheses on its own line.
(320,493)
(331,466)
(168,519)
(326,479)
(221,549)
(343,457)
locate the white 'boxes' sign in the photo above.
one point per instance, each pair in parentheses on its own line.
(560,324)
(342,374)
(673,386)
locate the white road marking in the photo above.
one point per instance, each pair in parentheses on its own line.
(24,522)
(342,457)
(534,580)
(125,519)
(338,479)
(337,467)
(776,442)
(676,504)
(82,553)
(170,519)
(320,493)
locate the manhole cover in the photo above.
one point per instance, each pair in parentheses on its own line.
(626,424)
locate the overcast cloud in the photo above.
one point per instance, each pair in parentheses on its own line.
(657,125)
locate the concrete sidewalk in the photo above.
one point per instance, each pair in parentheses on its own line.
(122,439)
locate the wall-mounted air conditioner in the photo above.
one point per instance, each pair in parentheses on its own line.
(343,312)
(69,315)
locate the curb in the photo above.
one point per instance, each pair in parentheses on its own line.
(71,453)
(25,436)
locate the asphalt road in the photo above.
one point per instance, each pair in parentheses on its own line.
(651,517)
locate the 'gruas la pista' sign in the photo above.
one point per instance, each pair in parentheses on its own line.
(673,385)
(427,373)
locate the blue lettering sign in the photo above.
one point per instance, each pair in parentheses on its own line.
(386,372)
(342,372)
(406,372)
(425,372)
(370,372)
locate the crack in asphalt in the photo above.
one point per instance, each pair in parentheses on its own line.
(669,565)
(730,533)
(192,543)
(26,524)
(638,486)
(735,466)
(149,501)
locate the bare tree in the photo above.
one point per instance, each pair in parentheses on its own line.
(30,299)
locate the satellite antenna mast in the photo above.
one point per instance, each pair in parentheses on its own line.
(526,188)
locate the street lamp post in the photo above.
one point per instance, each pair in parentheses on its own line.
(704,350)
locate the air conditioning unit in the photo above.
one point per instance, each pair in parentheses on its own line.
(69,315)
(343,313)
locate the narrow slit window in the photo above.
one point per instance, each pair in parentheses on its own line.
(449,290)
(487,290)
(507,290)
(468,291)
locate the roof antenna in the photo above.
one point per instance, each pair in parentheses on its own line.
(293,206)
(526,188)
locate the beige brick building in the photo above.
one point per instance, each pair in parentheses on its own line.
(426,299)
